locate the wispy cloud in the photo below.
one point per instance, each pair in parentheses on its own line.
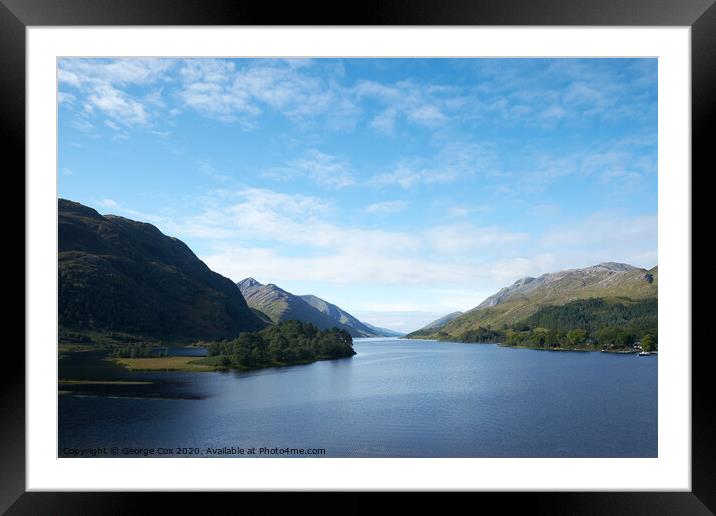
(453,160)
(218,88)
(102,83)
(384,121)
(111,125)
(323,169)
(463,238)
(64,97)
(385,207)
(612,231)
(206,168)
(545,94)
(418,104)
(109,203)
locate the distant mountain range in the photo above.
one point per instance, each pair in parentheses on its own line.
(122,279)
(525,300)
(279,305)
(442,321)
(383,332)
(338,314)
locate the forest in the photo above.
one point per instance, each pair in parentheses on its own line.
(286,343)
(590,323)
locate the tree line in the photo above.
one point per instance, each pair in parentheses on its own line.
(140,350)
(288,342)
(578,324)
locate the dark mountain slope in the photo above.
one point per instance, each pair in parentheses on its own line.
(122,276)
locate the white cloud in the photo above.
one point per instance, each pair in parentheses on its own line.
(214,100)
(460,255)
(65,98)
(312,94)
(454,160)
(363,264)
(82,72)
(429,115)
(582,93)
(377,90)
(118,105)
(384,122)
(617,163)
(385,207)
(462,211)
(206,70)
(109,203)
(325,169)
(546,210)
(219,89)
(206,168)
(605,236)
(319,167)
(82,124)
(419,104)
(462,238)
(404,176)
(102,80)
(553,113)
(276,235)
(604,228)
(409,174)
(548,93)
(459,211)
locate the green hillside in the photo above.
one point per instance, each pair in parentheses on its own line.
(612,303)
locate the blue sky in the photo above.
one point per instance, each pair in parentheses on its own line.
(399,189)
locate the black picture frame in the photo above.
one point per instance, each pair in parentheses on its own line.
(17,15)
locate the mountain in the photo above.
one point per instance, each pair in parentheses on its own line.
(383,332)
(280,305)
(340,315)
(363,329)
(614,283)
(125,279)
(332,311)
(430,330)
(442,321)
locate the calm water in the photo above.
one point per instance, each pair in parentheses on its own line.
(395,398)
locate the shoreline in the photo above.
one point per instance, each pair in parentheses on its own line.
(194,364)
(537,348)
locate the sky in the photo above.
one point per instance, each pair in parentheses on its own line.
(398,189)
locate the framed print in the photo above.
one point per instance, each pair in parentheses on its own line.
(417,253)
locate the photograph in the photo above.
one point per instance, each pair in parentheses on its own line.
(360,257)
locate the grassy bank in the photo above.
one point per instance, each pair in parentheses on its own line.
(165,364)
(224,362)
